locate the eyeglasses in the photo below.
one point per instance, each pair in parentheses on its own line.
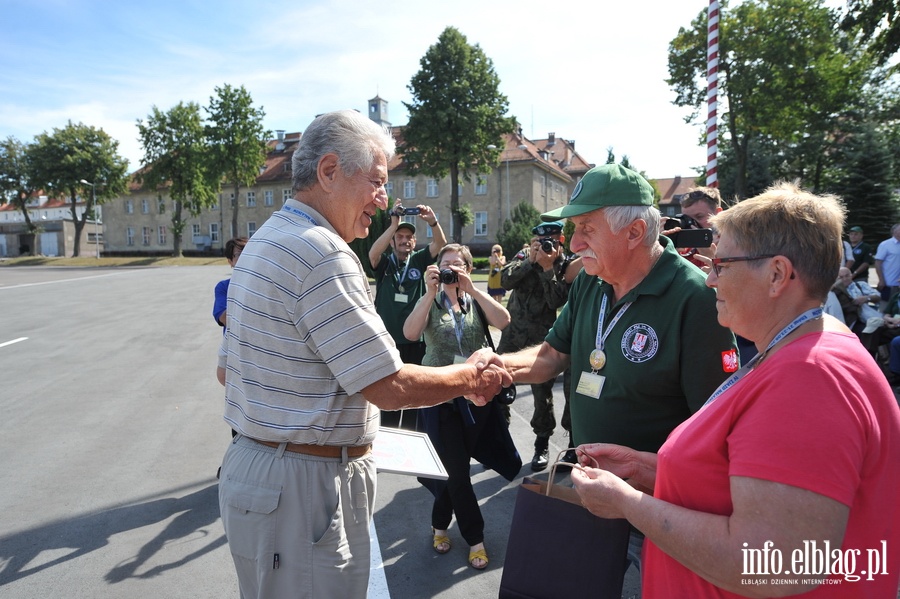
(717,262)
(457,264)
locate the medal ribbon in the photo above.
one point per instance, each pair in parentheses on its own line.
(602,334)
(457,324)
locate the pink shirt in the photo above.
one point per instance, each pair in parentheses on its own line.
(818,415)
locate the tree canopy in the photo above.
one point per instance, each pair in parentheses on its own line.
(457,111)
(78,162)
(786,76)
(15,179)
(237,138)
(176,155)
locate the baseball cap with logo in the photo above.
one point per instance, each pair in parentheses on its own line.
(554,228)
(603,186)
(406,225)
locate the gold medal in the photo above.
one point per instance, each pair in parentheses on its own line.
(597,359)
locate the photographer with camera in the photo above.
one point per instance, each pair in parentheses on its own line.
(453,315)
(698,205)
(536,279)
(399,269)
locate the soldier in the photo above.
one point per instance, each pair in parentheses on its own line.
(536,279)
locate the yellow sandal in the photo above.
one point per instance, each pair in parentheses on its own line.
(441,543)
(480,554)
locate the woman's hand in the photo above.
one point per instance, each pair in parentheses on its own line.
(637,467)
(432,280)
(602,492)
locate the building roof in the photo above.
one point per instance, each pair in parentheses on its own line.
(671,190)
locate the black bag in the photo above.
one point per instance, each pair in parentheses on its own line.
(558,549)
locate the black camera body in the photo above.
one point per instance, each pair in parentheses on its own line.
(506,396)
(681,220)
(408,211)
(448,277)
(548,244)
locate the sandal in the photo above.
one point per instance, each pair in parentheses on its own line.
(479,554)
(441,542)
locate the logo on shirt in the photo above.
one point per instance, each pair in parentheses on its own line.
(639,343)
(730,361)
(414,274)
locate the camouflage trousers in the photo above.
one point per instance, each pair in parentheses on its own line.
(543,420)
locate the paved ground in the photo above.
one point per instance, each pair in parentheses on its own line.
(112,433)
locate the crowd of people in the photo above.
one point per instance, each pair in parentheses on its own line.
(708,398)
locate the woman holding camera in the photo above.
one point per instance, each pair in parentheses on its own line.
(452,316)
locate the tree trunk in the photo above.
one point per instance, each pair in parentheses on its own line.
(177,230)
(79,226)
(454,203)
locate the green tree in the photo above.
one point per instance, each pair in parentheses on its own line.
(867,180)
(516,231)
(238,140)
(878,22)
(67,160)
(15,180)
(176,155)
(786,73)
(456,113)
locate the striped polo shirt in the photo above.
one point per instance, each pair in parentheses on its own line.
(303,337)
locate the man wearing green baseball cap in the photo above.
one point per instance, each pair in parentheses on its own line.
(640,329)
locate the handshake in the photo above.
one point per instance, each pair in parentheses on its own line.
(490,367)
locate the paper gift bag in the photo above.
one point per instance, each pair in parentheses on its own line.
(557,549)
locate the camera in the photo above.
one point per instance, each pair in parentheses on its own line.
(407,211)
(681,220)
(506,396)
(547,244)
(448,277)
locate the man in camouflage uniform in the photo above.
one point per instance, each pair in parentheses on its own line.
(535,278)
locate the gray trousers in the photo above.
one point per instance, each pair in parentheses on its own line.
(297,525)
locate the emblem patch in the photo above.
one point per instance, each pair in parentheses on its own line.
(639,343)
(414,274)
(730,362)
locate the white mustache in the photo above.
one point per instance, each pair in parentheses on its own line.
(588,253)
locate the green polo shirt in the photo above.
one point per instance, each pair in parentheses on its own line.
(665,356)
(396,292)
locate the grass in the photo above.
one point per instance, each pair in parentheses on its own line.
(106,262)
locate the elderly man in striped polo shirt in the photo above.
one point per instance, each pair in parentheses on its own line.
(308,365)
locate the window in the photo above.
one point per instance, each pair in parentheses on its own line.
(269,197)
(145,235)
(213,232)
(161,205)
(481,220)
(431,188)
(389,188)
(129,236)
(162,235)
(216,205)
(251,228)
(145,206)
(543,186)
(129,207)
(251,199)
(286,195)
(481,185)
(409,189)
(195,230)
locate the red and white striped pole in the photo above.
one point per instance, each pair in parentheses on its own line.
(712,93)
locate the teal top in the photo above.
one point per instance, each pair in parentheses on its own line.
(441,344)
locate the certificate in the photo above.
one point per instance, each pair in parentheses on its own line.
(400,451)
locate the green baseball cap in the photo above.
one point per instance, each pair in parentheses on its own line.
(602,186)
(856,229)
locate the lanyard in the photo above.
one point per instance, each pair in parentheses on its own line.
(458,324)
(397,276)
(597,359)
(300,213)
(807,316)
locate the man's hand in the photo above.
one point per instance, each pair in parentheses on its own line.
(427,214)
(492,374)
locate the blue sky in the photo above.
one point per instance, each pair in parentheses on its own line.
(589,70)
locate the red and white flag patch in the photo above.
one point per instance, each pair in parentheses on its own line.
(730,362)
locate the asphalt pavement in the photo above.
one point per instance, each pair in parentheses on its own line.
(113,431)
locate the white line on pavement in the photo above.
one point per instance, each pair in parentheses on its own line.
(13,341)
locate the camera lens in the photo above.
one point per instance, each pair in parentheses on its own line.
(547,245)
(448,277)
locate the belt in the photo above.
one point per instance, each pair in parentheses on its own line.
(322,451)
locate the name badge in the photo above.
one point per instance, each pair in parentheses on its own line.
(590,384)
(401,298)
